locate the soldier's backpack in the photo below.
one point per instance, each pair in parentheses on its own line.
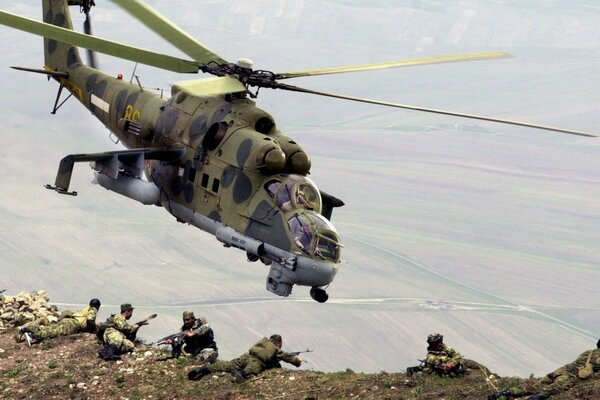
(101,328)
(264,350)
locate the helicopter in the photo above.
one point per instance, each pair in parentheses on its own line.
(207,154)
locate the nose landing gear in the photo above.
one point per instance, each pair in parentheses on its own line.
(319,295)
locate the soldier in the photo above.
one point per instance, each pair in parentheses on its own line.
(265,354)
(199,339)
(119,335)
(560,380)
(70,323)
(442,359)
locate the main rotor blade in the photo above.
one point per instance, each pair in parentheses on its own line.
(100,45)
(396,64)
(169,31)
(435,111)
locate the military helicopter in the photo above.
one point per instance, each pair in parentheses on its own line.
(210,157)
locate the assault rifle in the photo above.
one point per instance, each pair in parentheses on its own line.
(176,343)
(295,353)
(174,338)
(424,363)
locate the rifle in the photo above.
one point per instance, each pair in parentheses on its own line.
(436,367)
(176,343)
(295,353)
(175,338)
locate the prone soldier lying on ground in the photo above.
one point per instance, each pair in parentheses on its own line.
(264,355)
(443,360)
(69,323)
(561,380)
(196,339)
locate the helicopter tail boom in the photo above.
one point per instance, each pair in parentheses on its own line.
(59,56)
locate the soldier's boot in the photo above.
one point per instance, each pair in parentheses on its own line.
(30,338)
(240,376)
(198,373)
(20,334)
(109,353)
(213,356)
(538,396)
(505,394)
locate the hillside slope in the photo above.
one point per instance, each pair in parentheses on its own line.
(68,367)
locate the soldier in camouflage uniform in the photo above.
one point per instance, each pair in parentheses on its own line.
(265,354)
(199,340)
(564,378)
(119,335)
(442,359)
(70,323)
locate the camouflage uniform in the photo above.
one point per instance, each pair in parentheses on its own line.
(202,344)
(262,356)
(563,378)
(442,359)
(119,333)
(69,324)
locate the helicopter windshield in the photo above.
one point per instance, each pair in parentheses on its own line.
(294,192)
(314,236)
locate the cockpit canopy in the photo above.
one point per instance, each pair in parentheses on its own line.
(292,192)
(315,236)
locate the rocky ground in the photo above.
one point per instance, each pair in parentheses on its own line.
(69,368)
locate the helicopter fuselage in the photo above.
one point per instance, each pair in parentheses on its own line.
(238,177)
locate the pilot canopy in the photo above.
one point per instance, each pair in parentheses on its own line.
(292,192)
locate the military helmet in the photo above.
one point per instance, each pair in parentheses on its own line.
(95,303)
(188,314)
(275,338)
(435,338)
(125,307)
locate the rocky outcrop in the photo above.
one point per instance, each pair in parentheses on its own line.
(26,308)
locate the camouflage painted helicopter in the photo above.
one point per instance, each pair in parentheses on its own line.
(210,157)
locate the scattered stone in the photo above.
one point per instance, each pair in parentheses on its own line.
(25,308)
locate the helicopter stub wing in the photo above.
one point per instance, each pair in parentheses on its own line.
(110,163)
(432,110)
(97,44)
(396,64)
(169,31)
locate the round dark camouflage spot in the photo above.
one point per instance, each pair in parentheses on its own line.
(59,20)
(177,186)
(90,84)
(121,101)
(242,188)
(166,122)
(198,127)
(100,88)
(221,113)
(244,152)
(188,192)
(73,58)
(228,176)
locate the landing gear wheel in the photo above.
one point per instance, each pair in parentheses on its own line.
(319,295)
